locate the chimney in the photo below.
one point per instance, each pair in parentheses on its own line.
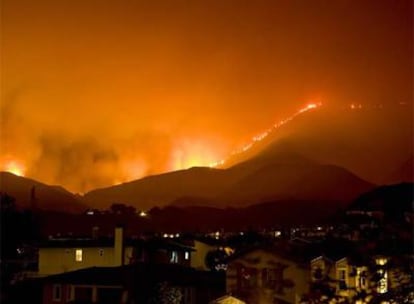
(119,246)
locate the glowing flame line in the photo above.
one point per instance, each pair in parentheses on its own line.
(260,137)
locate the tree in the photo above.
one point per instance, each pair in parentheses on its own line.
(164,293)
(215,260)
(122,209)
(7,203)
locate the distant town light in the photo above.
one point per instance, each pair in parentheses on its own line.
(381,261)
(165,235)
(143,214)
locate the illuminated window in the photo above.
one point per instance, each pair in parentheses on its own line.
(78,255)
(381,261)
(187,255)
(382,286)
(174,257)
(363,282)
(57,293)
(360,278)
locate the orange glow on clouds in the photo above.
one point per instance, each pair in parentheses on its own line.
(97,92)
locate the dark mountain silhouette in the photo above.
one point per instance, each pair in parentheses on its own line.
(276,173)
(29,193)
(160,190)
(371,142)
(393,200)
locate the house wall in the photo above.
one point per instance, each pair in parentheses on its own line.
(58,260)
(199,255)
(70,293)
(295,279)
(332,270)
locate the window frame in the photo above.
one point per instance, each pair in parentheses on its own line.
(69,293)
(57,292)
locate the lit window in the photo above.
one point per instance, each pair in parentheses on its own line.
(174,257)
(57,293)
(382,286)
(381,261)
(363,282)
(187,255)
(78,255)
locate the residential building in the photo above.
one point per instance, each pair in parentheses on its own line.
(268,275)
(59,255)
(138,283)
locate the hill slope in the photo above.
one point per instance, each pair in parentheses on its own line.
(273,174)
(371,142)
(29,193)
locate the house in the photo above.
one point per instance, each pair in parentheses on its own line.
(138,283)
(201,249)
(88,285)
(274,274)
(205,249)
(362,277)
(344,275)
(59,255)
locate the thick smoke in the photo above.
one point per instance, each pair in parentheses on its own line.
(95,93)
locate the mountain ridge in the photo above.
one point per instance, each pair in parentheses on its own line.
(272,174)
(29,193)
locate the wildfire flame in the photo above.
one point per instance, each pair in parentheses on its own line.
(15,167)
(260,137)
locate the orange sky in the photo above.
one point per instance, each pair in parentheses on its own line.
(103,91)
